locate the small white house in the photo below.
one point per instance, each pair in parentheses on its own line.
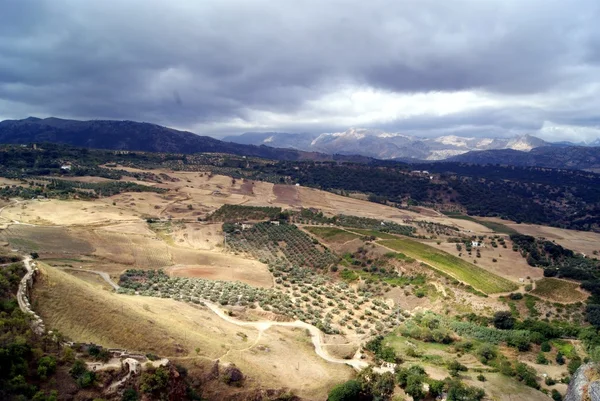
(476,244)
(66,167)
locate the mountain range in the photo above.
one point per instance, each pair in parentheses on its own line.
(140,136)
(357,145)
(384,145)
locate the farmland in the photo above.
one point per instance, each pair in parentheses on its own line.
(331,234)
(477,277)
(265,240)
(374,233)
(345,269)
(557,290)
(495,226)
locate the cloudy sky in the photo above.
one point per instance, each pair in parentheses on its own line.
(219,67)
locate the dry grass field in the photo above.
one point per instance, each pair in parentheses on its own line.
(45,240)
(580,241)
(66,213)
(281,357)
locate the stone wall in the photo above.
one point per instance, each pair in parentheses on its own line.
(23,296)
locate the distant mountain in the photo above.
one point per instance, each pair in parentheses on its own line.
(131,135)
(384,145)
(565,157)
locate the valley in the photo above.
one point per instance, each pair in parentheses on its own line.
(293,284)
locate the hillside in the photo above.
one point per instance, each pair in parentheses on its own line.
(567,157)
(131,135)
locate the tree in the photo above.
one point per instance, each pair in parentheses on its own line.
(347,391)
(455,367)
(503,320)
(458,391)
(383,387)
(560,359)
(414,388)
(130,395)
(556,396)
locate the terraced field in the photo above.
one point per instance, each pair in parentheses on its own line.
(475,276)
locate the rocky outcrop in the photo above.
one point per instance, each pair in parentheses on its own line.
(585,384)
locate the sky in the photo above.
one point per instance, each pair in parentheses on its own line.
(220,67)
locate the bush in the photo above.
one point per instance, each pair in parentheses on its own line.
(560,359)
(574,365)
(527,375)
(503,320)
(130,395)
(541,359)
(348,391)
(458,391)
(455,367)
(546,347)
(556,395)
(481,377)
(46,366)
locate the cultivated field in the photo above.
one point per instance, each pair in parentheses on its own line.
(331,234)
(557,290)
(470,274)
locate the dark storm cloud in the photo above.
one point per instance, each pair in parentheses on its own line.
(194,63)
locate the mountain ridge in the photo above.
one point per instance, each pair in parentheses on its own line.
(387,145)
(140,136)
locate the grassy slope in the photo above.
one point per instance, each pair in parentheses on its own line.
(473,275)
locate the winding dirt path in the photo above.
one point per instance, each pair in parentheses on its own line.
(261,326)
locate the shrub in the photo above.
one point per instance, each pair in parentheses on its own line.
(130,395)
(486,353)
(455,367)
(347,391)
(546,347)
(46,366)
(481,377)
(541,359)
(526,374)
(574,365)
(560,359)
(556,396)
(503,320)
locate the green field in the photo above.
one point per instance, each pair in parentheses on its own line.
(331,234)
(468,273)
(373,233)
(496,227)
